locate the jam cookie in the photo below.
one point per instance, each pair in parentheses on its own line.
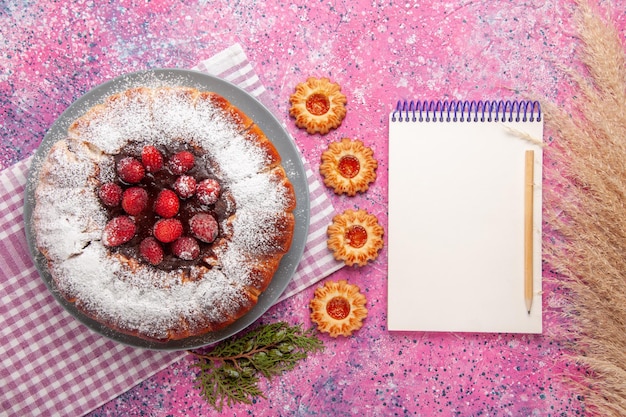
(348,166)
(338,308)
(318,105)
(355,237)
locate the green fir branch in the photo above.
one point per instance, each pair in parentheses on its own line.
(230,372)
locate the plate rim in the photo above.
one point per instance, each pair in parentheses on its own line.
(260,114)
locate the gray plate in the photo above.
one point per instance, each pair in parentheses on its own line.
(264,118)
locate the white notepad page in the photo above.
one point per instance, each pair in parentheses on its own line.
(456,226)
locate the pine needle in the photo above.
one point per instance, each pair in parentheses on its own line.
(230,372)
(585,201)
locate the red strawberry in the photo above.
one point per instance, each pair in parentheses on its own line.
(110,194)
(118,231)
(166,204)
(134,200)
(167,230)
(186,247)
(208,191)
(204,227)
(130,170)
(185,186)
(181,162)
(151,158)
(150,249)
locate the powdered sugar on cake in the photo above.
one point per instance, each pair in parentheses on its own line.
(132,296)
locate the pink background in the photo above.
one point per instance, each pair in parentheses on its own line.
(380,52)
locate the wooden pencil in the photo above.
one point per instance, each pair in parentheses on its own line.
(528,228)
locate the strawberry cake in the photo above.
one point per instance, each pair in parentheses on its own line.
(164,213)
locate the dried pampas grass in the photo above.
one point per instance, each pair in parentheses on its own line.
(585,209)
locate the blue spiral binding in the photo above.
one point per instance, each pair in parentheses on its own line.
(467,111)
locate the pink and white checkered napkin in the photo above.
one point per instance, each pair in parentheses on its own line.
(51,364)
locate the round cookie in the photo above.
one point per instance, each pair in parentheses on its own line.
(348,167)
(338,308)
(355,237)
(318,105)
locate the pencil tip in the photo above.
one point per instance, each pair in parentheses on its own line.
(529,312)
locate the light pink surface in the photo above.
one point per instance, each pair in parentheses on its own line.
(379,52)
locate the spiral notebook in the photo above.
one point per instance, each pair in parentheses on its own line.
(464,234)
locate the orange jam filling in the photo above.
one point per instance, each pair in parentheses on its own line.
(317,104)
(338,308)
(349,166)
(356,236)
